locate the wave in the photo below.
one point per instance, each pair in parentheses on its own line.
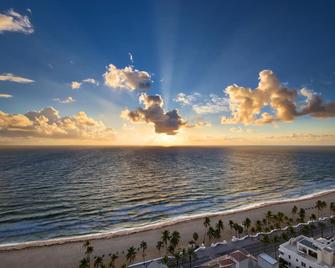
(159,224)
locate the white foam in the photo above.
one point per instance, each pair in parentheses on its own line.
(159,224)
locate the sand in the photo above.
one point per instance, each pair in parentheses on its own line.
(67,252)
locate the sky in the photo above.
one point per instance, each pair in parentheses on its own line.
(167,72)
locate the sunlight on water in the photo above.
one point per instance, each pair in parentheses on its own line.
(47,193)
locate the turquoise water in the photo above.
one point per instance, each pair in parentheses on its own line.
(64,191)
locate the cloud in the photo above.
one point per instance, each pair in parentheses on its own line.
(2,95)
(77,85)
(127,78)
(68,100)
(165,122)
(185,99)
(13,78)
(247,105)
(303,136)
(48,123)
(131,57)
(315,106)
(214,105)
(12,21)
(202,104)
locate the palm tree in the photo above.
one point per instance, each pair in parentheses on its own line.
(210,234)
(112,260)
(291,231)
(305,230)
(159,246)
(275,241)
(207,223)
(302,214)
(84,263)
(165,239)
(265,240)
(177,258)
(312,217)
(294,212)
(332,208)
(131,254)
(332,222)
(322,226)
(175,238)
(231,224)
(88,251)
(268,216)
(144,247)
(195,237)
(284,236)
(324,205)
(220,225)
(247,224)
(319,206)
(99,262)
(235,227)
(190,254)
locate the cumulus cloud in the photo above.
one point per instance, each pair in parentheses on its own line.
(14,78)
(77,85)
(165,122)
(67,100)
(48,123)
(247,105)
(2,95)
(12,21)
(127,78)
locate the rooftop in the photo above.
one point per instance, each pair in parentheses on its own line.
(267,258)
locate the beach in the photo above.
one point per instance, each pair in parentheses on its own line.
(67,252)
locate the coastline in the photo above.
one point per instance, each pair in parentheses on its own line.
(67,251)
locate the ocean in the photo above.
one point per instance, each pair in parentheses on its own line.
(55,192)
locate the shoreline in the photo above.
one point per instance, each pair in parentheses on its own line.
(159,225)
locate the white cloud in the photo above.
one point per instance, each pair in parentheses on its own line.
(214,105)
(12,21)
(48,123)
(185,99)
(131,58)
(127,78)
(77,85)
(2,95)
(13,78)
(247,105)
(201,104)
(165,122)
(68,100)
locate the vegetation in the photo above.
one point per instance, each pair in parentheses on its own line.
(182,257)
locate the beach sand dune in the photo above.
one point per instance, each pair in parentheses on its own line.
(67,252)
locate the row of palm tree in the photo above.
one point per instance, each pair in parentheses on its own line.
(98,261)
(212,232)
(170,240)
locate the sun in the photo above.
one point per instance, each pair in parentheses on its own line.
(167,140)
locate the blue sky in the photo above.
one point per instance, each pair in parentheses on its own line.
(186,46)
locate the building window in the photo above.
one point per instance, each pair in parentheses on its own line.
(289,256)
(303,264)
(296,260)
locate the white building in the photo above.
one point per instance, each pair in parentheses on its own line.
(305,252)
